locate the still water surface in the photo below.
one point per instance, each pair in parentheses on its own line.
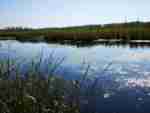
(124,85)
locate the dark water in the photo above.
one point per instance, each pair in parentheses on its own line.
(121,73)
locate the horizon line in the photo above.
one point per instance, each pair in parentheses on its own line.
(79,25)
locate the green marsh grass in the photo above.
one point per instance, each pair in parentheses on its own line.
(124,31)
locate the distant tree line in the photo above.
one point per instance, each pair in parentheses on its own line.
(12,29)
(136,30)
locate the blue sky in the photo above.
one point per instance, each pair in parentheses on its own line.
(55,13)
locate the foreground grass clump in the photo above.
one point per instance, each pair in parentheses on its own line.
(32,93)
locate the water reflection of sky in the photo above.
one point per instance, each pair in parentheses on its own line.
(129,66)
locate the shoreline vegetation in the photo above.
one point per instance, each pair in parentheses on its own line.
(88,33)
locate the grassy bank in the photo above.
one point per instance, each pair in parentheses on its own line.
(123,31)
